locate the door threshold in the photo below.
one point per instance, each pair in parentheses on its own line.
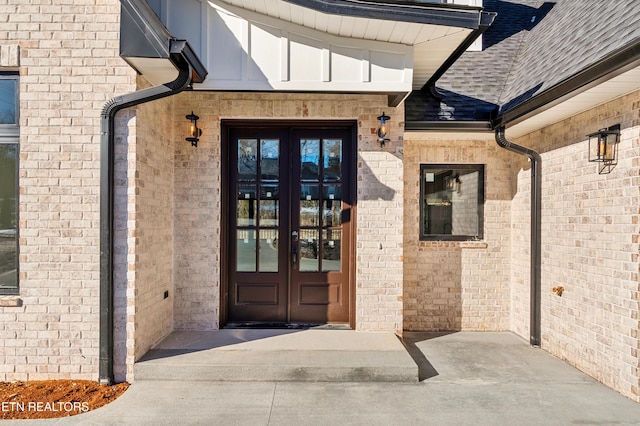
(259,325)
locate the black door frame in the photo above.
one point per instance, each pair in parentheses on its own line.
(225,126)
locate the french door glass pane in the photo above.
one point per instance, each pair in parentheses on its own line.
(332,159)
(309,159)
(269,159)
(331,206)
(246,250)
(269,205)
(268,250)
(247,159)
(246,205)
(309,250)
(331,250)
(268,213)
(309,205)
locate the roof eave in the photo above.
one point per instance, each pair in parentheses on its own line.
(448,126)
(612,65)
(423,13)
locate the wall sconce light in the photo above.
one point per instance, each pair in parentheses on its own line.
(452,183)
(382,130)
(603,148)
(194,132)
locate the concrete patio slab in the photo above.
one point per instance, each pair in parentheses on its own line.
(315,355)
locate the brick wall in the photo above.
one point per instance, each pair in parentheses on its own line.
(69,67)
(590,235)
(123,224)
(197,209)
(151,227)
(379,254)
(458,285)
(197,214)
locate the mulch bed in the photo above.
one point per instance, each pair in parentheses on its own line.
(44,399)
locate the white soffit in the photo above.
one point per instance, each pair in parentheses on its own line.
(620,85)
(390,31)
(428,56)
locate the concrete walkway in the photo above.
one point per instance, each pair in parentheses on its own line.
(466,379)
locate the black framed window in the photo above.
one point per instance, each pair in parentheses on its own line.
(451,202)
(9,150)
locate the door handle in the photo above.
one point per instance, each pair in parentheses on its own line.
(294,250)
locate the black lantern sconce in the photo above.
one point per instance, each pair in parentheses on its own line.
(382,129)
(603,148)
(194,132)
(452,183)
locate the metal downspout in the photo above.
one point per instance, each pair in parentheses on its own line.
(107,138)
(536,246)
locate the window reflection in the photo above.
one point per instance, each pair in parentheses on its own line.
(332,159)
(309,206)
(269,159)
(309,159)
(332,206)
(246,209)
(268,250)
(331,250)
(309,250)
(247,159)
(246,251)
(8,101)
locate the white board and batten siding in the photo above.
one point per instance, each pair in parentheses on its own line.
(246,50)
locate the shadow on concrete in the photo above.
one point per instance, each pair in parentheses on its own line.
(425,369)
(180,343)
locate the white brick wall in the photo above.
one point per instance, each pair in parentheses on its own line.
(452,285)
(590,228)
(379,261)
(144,222)
(151,269)
(124,338)
(69,67)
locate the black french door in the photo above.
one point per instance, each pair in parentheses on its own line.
(289,224)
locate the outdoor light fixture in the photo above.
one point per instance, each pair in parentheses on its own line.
(382,130)
(452,183)
(194,132)
(603,148)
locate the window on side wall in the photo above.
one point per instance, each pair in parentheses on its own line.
(451,202)
(9,149)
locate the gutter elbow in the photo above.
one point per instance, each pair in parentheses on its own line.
(110,106)
(502,140)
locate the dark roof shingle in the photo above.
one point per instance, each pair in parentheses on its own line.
(531,46)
